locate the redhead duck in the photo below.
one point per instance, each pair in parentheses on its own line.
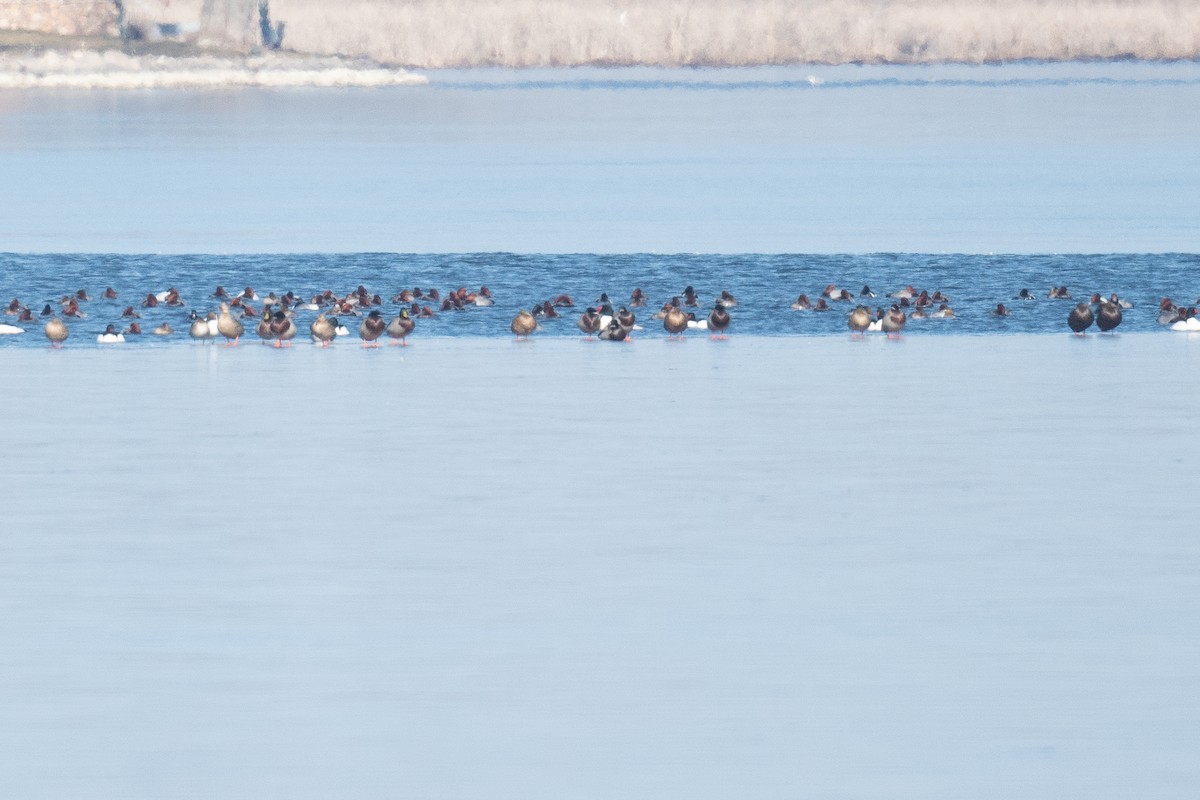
(821,305)
(613,332)
(323,330)
(918,313)
(944,312)
(248,311)
(923,299)
(426,311)
(405,297)
(859,320)
(110,336)
(134,329)
(150,302)
(248,294)
(893,322)
(727,300)
(549,310)
(14,308)
(523,324)
(1119,302)
(1108,316)
(802,303)
(372,328)
(638,298)
(1000,311)
(718,321)
(229,327)
(163,330)
(830,291)
(938,297)
(675,322)
(399,328)
(56,331)
(72,310)
(129,313)
(25,316)
(433,294)
(907,293)
(1059,293)
(283,329)
(484,291)
(1080,318)
(483,300)
(589,322)
(82,295)
(109,294)
(220,293)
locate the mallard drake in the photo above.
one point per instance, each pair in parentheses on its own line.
(1108,316)
(718,321)
(675,322)
(523,324)
(1080,318)
(56,331)
(323,330)
(589,322)
(372,328)
(859,319)
(263,329)
(282,329)
(399,328)
(229,327)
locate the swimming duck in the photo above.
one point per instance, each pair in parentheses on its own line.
(14,308)
(1119,302)
(56,331)
(893,322)
(589,322)
(9,330)
(110,336)
(866,291)
(564,301)
(323,330)
(727,300)
(907,293)
(549,311)
(821,305)
(689,297)
(372,328)
(859,320)
(1108,316)
(944,312)
(399,328)
(638,298)
(718,321)
(25,316)
(523,324)
(229,327)
(129,313)
(163,330)
(802,303)
(82,295)
(1059,293)
(1000,310)
(1024,294)
(675,322)
(134,329)
(109,294)
(47,311)
(1080,318)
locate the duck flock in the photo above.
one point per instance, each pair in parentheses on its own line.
(322,317)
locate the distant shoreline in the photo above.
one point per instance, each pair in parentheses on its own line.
(31,60)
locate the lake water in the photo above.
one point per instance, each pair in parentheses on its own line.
(786,564)
(1035,158)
